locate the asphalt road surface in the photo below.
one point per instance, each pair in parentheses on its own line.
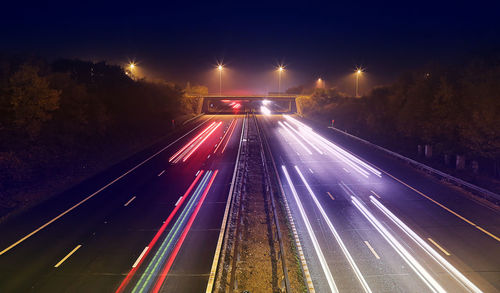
(395,230)
(83,241)
(367,222)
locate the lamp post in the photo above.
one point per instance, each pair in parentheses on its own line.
(220,67)
(358,73)
(280,70)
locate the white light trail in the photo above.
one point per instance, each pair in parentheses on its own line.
(407,257)
(306,140)
(335,234)
(310,231)
(430,251)
(296,138)
(340,152)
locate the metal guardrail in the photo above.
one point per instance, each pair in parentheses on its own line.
(448,177)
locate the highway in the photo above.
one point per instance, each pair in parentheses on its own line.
(366,222)
(93,238)
(383,227)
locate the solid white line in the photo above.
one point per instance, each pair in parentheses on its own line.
(97,192)
(129,201)
(67,256)
(161,173)
(178,201)
(140,257)
(372,250)
(211,278)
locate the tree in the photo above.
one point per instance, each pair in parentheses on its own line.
(32,100)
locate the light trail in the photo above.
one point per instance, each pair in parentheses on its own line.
(296,138)
(224,136)
(334,146)
(317,248)
(201,142)
(229,138)
(190,142)
(148,275)
(129,276)
(354,267)
(407,257)
(457,275)
(306,140)
(178,245)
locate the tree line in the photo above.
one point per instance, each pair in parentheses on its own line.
(453,109)
(60,117)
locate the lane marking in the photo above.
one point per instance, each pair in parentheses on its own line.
(161,173)
(181,239)
(374,193)
(311,171)
(424,275)
(67,256)
(347,171)
(211,278)
(354,267)
(312,235)
(197,173)
(140,256)
(330,195)
(439,246)
(131,273)
(129,201)
(180,198)
(98,191)
(446,208)
(372,250)
(456,274)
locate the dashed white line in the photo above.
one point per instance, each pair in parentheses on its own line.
(161,173)
(311,171)
(439,246)
(372,250)
(197,173)
(97,192)
(67,256)
(178,201)
(375,193)
(129,201)
(347,171)
(140,257)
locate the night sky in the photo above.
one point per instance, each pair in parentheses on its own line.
(181,41)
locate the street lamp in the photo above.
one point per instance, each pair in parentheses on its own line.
(220,68)
(358,73)
(131,68)
(280,70)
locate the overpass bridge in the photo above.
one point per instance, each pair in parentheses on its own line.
(232,104)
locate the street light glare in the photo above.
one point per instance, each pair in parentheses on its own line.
(220,67)
(281,68)
(359,71)
(132,65)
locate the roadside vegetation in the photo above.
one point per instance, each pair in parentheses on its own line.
(63,121)
(444,115)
